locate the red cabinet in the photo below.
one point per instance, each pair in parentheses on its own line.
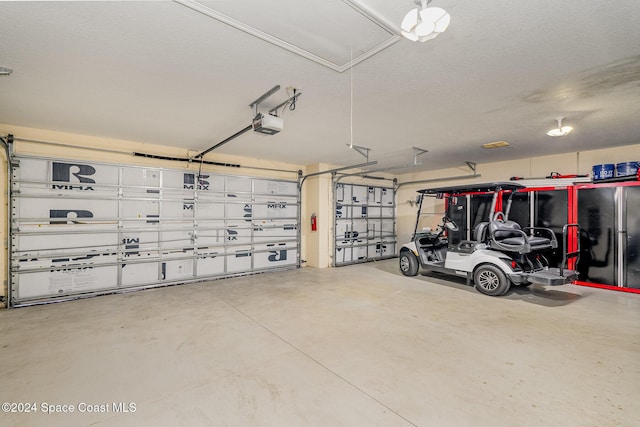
(609,217)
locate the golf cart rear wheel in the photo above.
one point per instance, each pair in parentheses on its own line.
(490,280)
(408,263)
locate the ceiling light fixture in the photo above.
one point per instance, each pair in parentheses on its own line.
(560,130)
(5,71)
(424,23)
(496,144)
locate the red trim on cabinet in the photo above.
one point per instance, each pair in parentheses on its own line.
(612,288)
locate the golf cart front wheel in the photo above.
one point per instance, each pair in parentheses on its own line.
(408,263)
(490,280)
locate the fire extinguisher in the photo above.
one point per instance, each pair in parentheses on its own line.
(314,224)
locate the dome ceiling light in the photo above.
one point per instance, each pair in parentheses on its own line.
(560,130)
(424,23)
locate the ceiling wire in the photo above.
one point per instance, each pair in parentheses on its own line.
(290,104)
(351,102)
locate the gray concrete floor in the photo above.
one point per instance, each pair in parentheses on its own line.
(352,346)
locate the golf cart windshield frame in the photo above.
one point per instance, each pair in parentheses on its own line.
(456,190)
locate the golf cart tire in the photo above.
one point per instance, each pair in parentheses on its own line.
(490,280)
(408,263)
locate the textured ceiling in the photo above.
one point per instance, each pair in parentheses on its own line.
(162,73)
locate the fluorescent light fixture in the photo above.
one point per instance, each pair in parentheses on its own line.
(497,144)
(5,71)
(560,130)
(424,23)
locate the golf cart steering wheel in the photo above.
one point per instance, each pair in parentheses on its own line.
(498,216)
(449,223)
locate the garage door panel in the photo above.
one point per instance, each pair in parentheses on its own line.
(45,211)
(387,226)
(381,249)
(137,246)
(140,273)
(238,233)
(359,195)
(387,197)
(238,210)
(387,212)
(144,210)
(239,185)
(138,178)
(175,182)
(178,240)
(365,223)
(204,183)
(37,242)
(211,265)
(374,227)
(62,282)
(360,227)
(274,255)
(177,269)
(359,250)
(343,254)
(359,211)
(265,207)
(343,211)
(211,234)
(239,259)
(27,260)
(141,227)
(280,188)
(178,209)
(211,208)
(374,212)
(66,178)
(343,231)
(343,194)
(268,231)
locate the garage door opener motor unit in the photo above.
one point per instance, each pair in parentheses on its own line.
(267,124)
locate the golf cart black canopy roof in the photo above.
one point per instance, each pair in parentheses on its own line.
(473,188)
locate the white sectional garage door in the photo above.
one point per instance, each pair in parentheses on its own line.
(82,228)
(365,223)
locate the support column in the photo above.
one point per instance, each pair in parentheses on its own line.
(317,198)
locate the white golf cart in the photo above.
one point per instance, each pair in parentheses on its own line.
(498,254)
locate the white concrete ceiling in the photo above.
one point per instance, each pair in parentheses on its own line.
(163,73)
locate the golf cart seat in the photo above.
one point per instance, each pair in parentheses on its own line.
(480,232)
(508,236)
